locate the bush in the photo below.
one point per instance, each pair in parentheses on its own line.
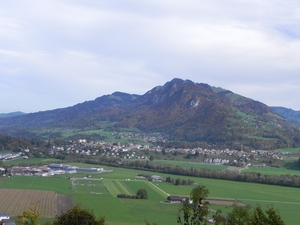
(78,216)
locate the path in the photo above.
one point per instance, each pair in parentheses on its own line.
(159,188)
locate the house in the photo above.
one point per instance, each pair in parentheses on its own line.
(7,222)
(156,178)
(147,176)
(4,216)
(2,170)
(175,199)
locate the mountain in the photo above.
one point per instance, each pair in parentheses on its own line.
(287,113)
(4,115)
(186,111)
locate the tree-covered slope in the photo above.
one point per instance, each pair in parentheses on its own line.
(288,113)
(185,110)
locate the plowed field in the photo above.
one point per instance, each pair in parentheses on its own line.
(15,201)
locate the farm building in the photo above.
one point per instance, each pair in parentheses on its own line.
(61,167)
(93,170)
(55,166)
(147,176)
(2,170)
(156,178)
(175,199)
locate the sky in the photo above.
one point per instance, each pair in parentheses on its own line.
(55,54)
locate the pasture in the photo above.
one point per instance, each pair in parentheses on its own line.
(186,164)
(271,170)
(29,161)
(99,194)
(289,150)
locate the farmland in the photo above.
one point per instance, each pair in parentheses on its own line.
(271,170)
(16,201)
(187,164)
(99,194)
(30,161)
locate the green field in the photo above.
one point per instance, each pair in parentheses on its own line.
(57,184)
(29,161)
(272,170)
(289,150)
(186,164)
(100,195)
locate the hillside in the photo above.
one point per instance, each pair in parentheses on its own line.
(5,115)
(288,113)
(184,110)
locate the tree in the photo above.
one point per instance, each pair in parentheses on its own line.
(195,208)
(151,158)
(142,193)
(78,216)
(240,215)
(271,216)
(31,215)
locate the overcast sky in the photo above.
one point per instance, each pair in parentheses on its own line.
(58,53)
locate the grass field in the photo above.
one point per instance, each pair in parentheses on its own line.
(285,199)
(57,184)
(290,150)
(30,161)
(93,194)
(195,165)
(272,170)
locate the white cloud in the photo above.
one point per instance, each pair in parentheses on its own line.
(65,52)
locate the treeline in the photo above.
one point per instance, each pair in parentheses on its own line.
(179,181)
(127,196)
(253,177)
(141,194)
(16,143)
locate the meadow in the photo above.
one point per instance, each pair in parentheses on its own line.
(187,164)
(100,195)
(288,150)
(272,170)
(29,161)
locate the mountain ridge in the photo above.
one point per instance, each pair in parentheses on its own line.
(185,110)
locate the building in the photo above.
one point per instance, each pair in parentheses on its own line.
(4,217)
(7,222)
(156,178)
(175,199)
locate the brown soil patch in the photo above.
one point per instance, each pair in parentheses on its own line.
(224,201)
(15,201)
(63,203)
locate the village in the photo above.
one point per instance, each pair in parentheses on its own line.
(139,151)
(145,152)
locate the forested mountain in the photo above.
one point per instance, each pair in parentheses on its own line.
(288,113)
(185,110)
(3,115)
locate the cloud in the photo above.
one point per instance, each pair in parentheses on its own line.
(58,53)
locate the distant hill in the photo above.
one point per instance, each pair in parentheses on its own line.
(186,111)
(5,115)
(288,113)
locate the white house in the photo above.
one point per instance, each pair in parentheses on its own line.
(4,216)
